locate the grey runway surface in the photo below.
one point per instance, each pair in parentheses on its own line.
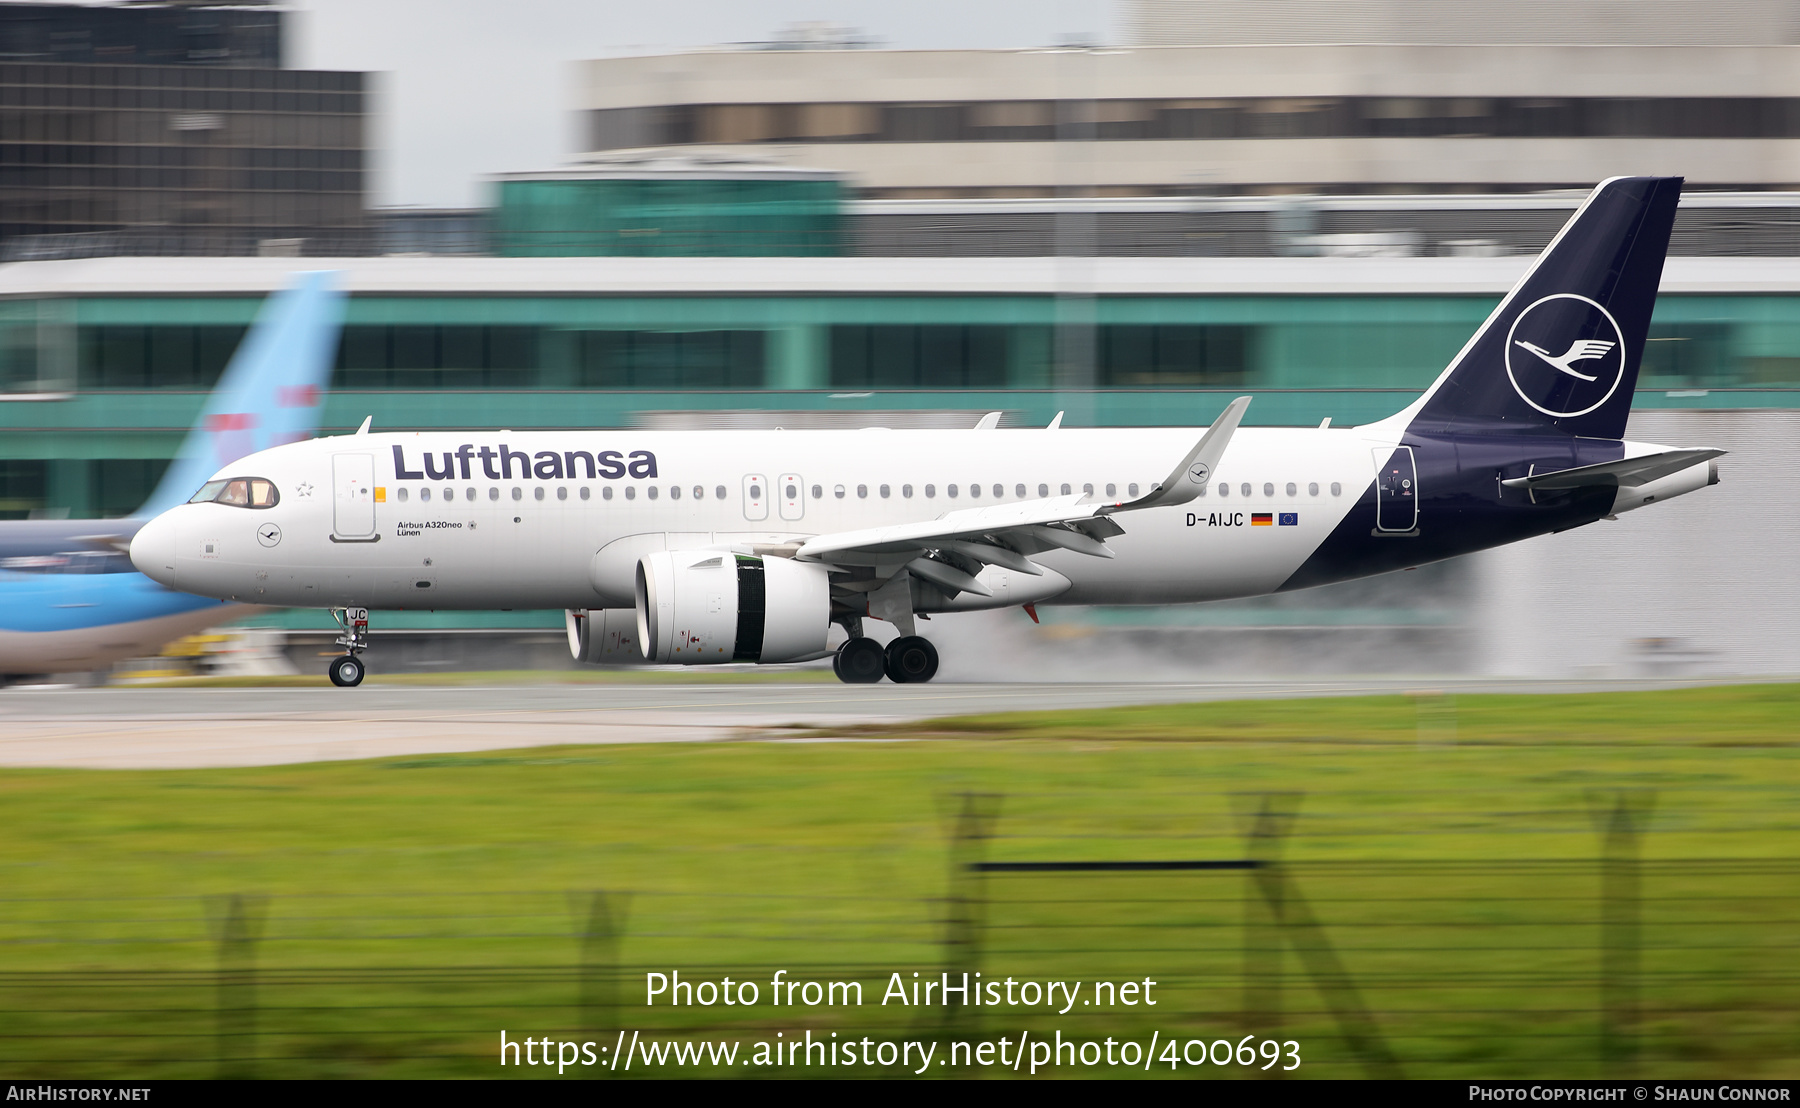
(125,728)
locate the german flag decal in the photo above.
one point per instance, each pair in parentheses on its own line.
(1262,519)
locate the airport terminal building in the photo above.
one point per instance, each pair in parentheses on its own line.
(112,357)
(1131,236)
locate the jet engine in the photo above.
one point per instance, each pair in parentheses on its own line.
(707,607)
(603,636)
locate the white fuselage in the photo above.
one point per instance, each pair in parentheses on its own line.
(360,527)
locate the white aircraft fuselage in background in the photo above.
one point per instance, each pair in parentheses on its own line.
(715,546)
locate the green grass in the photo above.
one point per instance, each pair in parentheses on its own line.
(1448,848)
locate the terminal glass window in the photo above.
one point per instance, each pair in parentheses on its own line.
(1685,355)
(1161,355)
(162,356)
(670,359)
(379,356)
(918,357)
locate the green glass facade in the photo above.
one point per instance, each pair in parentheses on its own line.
(104,387)
(668,217)
(117,380)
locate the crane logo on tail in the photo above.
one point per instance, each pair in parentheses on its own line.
(1587,372)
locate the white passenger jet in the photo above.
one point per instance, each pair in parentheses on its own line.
(710,547)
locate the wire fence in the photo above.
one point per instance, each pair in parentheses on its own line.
(1614,962)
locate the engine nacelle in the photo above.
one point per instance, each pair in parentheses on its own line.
(603,636)
(708,607)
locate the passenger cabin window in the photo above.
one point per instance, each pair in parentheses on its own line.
(719,492)
(1268,488)
(401,494)
(1312,489)
(239,492)
(1293,489)
(425,494)
(1336,489)
(1112,489)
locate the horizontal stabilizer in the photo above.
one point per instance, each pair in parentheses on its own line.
(1626,472)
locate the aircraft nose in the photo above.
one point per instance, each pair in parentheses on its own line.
(153,550)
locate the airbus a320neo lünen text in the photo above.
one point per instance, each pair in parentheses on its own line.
(711,547)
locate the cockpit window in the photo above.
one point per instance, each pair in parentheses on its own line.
(239,492)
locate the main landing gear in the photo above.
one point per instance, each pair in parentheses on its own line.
(347,671)
(907,660)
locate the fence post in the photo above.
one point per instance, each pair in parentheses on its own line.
(236,922)
(966,916)
(1277,915)
(1621,924)
(602,918)
(1265,818)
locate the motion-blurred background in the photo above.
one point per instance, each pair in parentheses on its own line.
(1130,211)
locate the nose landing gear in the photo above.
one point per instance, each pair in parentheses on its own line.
(347,671)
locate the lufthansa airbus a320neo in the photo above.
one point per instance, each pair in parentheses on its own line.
(711,547)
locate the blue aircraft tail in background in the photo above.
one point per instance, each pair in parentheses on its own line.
(270,394)
(68,600)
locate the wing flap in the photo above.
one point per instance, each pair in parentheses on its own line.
(1007,535)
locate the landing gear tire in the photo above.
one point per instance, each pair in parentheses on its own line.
(859,662)
(346,672)
(911,660)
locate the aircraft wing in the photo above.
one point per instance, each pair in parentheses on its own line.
(1628,472)
(951,549)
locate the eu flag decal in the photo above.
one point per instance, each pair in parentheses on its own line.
(1290,519)
(1261,519)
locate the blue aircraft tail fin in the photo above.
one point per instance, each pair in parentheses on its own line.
(272,392)
(1563,348)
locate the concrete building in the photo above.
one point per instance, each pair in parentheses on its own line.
(1183,120)
(1434,22)
(171,130)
